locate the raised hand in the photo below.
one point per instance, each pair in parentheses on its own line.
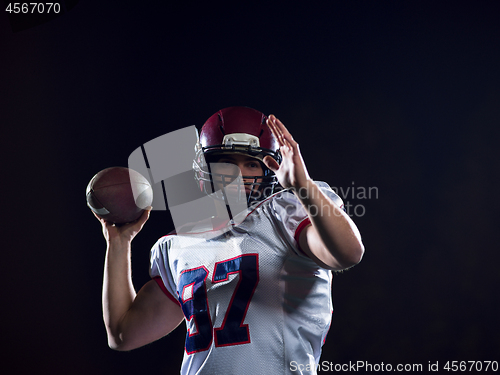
(292,173)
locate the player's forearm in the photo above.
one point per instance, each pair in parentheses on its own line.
(118,291)
(335,240)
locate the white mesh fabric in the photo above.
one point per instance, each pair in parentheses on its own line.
(289,312)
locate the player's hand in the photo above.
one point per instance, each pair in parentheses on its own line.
(123,233)
(292,173)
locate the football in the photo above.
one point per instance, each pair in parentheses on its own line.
(119,195)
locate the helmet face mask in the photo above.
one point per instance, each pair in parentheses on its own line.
(252,188)
(235,130)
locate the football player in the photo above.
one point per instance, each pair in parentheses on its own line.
(254,290)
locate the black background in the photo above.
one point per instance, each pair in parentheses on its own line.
(399,96)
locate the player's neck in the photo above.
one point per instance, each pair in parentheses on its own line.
(225,212)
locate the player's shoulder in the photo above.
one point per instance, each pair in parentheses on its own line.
(330,193)
(165,240)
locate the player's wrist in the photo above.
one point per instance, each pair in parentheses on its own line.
(303,188)
(118,244)
(307,193)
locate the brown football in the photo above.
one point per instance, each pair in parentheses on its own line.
(119,195)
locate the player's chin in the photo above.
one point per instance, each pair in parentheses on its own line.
(237,195)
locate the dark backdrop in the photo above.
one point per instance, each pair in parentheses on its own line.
(400,97)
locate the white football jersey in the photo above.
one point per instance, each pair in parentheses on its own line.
(253,302)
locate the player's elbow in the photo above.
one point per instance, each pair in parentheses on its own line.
(120,348)
(116,344)
(120,345)
(353,256)
(119,342)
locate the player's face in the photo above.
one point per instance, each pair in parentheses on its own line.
(233,164)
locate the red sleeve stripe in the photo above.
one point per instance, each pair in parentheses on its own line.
(159,281)
(304,223)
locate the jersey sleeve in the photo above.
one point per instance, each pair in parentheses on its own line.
(159,269)
(292,216)
(325,188)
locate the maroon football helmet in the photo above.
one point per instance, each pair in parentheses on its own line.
(239,130)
